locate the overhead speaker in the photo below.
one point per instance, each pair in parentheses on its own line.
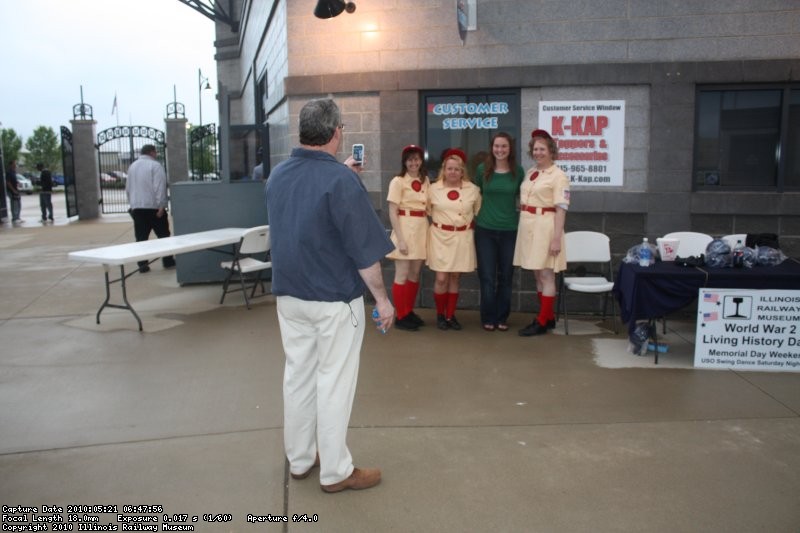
(330,8)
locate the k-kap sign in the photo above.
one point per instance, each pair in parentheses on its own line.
(591,139)
(748,330)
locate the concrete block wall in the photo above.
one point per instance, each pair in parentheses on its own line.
(392,35)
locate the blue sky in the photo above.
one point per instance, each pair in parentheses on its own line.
(136,49)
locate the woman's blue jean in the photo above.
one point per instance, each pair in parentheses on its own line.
(495,251)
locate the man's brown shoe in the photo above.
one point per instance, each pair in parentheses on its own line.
(307,472)
(361,478)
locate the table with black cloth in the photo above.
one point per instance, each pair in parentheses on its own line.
(648,293)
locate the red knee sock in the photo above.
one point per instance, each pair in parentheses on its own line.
(452,299)
(412,287)
(546,310)
(441,302)
(399,296)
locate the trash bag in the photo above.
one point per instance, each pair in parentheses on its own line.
(767,256)
(633,253)
(718,254)
(749,258)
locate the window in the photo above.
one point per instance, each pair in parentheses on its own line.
(747,138)
(467,120)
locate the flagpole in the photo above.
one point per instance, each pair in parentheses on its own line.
(115,108)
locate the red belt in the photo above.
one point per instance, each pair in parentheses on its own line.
(411,213)
(531,209)
(448,227)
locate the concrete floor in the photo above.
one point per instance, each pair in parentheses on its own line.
(474,431)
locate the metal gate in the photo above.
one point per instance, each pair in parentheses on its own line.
(203,153)
(68,164)
(117,148)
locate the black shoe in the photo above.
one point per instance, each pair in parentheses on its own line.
(534,328)
(442,323)
(168,262)
(551,324)
(144,268)
(453,323)
(414,317)
(406,324)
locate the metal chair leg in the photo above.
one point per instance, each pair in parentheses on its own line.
(225,284)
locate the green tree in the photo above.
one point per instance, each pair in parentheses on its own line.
(12,144)
(202,149)
(44,148)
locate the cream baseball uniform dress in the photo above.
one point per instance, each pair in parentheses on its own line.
(451,238)
(411,196)
(547,189)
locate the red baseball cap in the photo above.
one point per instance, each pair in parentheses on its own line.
(456,152)
(413,148)
(540,133)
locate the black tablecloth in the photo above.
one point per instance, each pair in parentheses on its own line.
(655,291)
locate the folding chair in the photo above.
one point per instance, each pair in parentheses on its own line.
(249,261)
(731,240)
(588,247)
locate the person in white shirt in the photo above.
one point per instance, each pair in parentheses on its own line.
(147,195)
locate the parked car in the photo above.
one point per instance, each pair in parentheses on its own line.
(34,177)
(58,179)
(24,184)
(120,175)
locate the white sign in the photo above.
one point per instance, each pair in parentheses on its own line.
(748,330)
(591,139)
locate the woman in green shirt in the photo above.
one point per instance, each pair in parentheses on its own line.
(498,178)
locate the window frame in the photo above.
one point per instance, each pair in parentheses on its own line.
(780,150)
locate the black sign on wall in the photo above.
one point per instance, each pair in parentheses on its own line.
(468,120)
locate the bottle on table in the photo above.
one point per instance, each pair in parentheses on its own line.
(645,254)
(738,254)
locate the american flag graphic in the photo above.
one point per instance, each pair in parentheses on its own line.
(710,297)
(710,317)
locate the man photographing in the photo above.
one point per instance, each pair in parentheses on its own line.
(327,243)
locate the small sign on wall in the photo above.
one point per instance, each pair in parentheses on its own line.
(591,139)
(745,329)
(466,17)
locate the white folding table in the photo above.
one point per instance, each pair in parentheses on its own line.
(150,250)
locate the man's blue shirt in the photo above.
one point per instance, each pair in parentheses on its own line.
(323,228)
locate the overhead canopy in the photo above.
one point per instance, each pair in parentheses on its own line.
(213,10)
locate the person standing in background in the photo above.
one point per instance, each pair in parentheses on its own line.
(327,245)
(258,170)
(544,200)
(147,195)
(12,187)
(498,179)
(453,202)
(45,193)
(408,199)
